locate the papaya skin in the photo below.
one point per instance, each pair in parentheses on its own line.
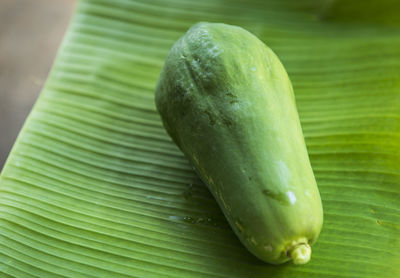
(227,102)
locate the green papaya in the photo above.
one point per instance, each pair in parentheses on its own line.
(227,102)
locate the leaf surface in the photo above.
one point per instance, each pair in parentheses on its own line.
(94,187)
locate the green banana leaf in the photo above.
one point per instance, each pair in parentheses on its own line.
(94,187)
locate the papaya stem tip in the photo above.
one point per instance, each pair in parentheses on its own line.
(300,254)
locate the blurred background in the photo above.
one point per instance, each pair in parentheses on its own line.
(30,34)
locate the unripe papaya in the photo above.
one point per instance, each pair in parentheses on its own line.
(227,102)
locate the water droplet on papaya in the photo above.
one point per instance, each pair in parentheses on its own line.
(292,197)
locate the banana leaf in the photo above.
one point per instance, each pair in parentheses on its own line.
(94,187)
